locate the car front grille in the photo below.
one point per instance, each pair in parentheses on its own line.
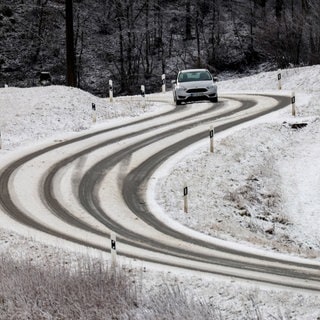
(197,90)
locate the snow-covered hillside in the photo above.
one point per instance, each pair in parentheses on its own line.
(260,187)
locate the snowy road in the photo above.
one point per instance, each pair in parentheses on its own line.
(84,188)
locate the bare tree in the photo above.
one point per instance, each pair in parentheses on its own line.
(314,31)
(278,8)
(70,50)
(188,20)
(39,38)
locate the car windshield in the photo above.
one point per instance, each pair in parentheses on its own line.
(194,76)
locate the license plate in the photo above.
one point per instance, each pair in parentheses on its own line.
(196,94)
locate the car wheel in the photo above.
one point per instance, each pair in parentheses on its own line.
(214,99)
(177,102)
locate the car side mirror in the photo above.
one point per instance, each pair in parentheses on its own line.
(215,79)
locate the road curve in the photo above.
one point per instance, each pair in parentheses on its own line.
(94,184)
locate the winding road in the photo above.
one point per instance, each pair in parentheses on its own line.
(85,188)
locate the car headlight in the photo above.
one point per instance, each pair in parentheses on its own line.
(181,88)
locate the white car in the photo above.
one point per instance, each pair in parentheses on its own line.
(194,85)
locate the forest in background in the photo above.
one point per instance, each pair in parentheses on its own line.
(135,42)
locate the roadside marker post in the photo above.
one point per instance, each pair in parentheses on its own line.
(293,102)
(279,80)
(163,78)
(185,199)
(111,90)
(143,93)
(211,135)
(113,250)
(94,113)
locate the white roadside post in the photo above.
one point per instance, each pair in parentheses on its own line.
(163,78)
(111,90)
(293,102)
(211,135)
(185,199)
(279,80)
(113,250)
(143,93)
(94,113)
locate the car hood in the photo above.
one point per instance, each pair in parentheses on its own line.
(195,84)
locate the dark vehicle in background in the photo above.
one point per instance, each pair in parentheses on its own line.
(194,85)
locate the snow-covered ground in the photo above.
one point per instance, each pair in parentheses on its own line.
(260,187)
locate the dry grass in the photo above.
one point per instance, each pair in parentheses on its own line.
(92,291)
(89,290)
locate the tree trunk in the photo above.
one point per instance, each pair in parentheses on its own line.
(188,20)
(198,41)
(279,8)
(71,57)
